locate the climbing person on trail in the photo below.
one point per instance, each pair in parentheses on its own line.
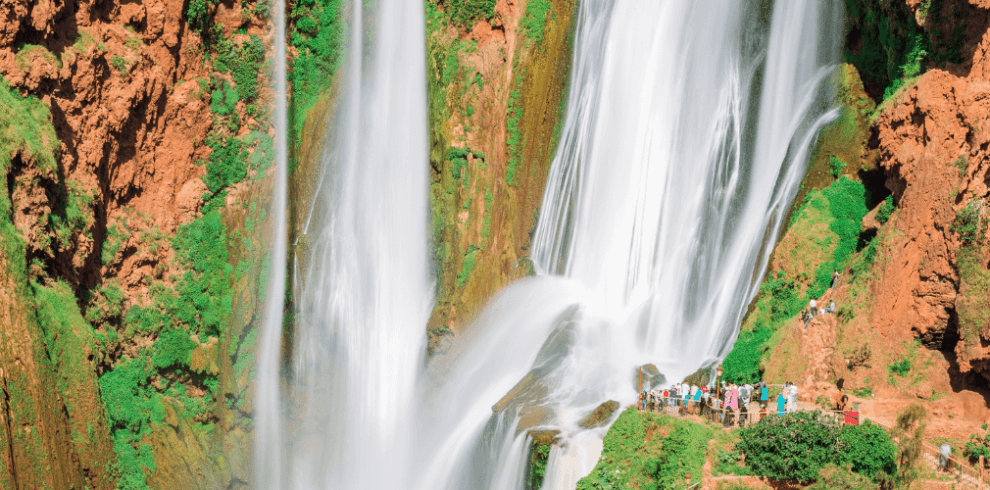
(792,396)
(835,279)
(781,404)
(642,401)
(744,394)
(813,307)
(764,394)
(944,453)
(831,307)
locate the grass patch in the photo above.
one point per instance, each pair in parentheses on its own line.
(649,451)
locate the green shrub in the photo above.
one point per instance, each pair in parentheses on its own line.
(227,163)
(793,447)
(132,405)
(886,209)
(173,348)
(836,165)
(245,71)
(119,63)
(869,449)
(900,368)
(978,445)
(203,297)
(968,224)
(961,163)
(224,98)
(468,12)
(198,14)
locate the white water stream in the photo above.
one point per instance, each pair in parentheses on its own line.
(687,134)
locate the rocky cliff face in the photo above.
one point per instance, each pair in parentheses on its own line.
(119,96)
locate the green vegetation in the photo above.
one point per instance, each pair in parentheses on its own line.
(968,223)
(836,165)
(539,453)
(534,21)
(835,477)
(514,143)
(830,221)
(25,132)
(243,62)
(978,445)
(318,38)
(961,163)
(468,12)
(847,205)
(637,453)
(891,46)
(971,302)
(797,446)
(900,368)
(779,302)
(886,209)
(119,63)
(467,265)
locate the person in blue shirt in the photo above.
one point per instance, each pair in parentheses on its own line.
(764,394)
(781,404)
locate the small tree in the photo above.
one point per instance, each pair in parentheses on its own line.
(910,432)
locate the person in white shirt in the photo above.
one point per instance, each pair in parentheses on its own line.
(792,396)
(813,306)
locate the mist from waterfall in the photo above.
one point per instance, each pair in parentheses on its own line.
(687,134)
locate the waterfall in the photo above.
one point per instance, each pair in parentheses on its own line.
(687,134)
(267,420)
(364,290)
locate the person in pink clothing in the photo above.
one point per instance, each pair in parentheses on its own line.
(734,397)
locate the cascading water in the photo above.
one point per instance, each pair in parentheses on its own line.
(687,132)
(268,423)
(364,291)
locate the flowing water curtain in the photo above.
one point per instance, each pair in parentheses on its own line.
(676,163)
(268,451)
(363,290)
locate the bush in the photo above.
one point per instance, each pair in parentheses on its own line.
(886,209)
(467,12)
(227,163)
(836,165)
(868,448)
(967,223)
(793,447)
(900,368)
(173,348)
(978,445)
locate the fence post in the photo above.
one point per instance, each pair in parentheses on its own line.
(981,472)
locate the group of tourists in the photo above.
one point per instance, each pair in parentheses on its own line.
(813,309)
(731,404)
